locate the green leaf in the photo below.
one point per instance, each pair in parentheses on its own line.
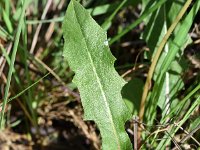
(171,83)
(86,49)
(132,93)
(179,41)
(7,21)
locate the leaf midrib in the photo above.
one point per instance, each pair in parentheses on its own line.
(98,81)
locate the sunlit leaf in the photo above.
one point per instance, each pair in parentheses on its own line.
(87,51)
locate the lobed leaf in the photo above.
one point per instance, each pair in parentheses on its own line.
(87,51)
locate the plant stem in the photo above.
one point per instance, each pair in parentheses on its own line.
(11,68)
(155,60)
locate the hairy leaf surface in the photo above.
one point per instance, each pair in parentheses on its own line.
(86,49)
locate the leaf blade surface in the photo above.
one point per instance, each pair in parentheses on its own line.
(86,49)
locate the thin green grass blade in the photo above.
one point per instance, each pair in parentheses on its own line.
(86,49)
(108,21)
(175,47)
(26,89)
(11,68)
(98,10)
(180,105)
(30,98)
(7,8)
(157,26)
(5,54)
(9,62)
(180,39)
(173,130)
(138,21)
(4,34)
(7,21)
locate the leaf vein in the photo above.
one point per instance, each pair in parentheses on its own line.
(99,82)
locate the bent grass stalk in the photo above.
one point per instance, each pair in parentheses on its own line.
(155,60)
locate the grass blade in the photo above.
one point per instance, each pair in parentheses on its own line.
(138,21)
(11,68)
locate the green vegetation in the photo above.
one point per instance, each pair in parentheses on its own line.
(54,51)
